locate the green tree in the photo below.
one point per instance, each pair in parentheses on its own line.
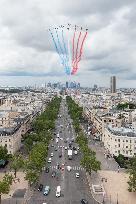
(17,163)
(90,163)
(132,177)
(31,176)
(3,153)
(37,156)
(5,185)
(28,143)
(121,160)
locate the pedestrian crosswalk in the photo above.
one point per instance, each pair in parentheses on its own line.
(75,168)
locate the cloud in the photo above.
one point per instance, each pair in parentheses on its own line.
(28,50)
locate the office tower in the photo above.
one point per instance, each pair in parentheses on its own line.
(66,84)
(95,86)
(113,84)
(78,85)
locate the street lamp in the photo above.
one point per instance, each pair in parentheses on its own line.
(117,199)
(103,197)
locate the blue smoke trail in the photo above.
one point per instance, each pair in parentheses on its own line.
(57,50)
(66,53)
(64,61)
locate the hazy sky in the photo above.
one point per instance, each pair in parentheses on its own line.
(28,56)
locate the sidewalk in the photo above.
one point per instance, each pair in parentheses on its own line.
(114,182)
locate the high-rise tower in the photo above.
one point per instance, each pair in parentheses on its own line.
(113,84)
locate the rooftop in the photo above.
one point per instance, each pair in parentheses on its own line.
(129,132)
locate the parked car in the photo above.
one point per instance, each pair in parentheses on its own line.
(46,190)
(75,152)
(52,154)
(40,188)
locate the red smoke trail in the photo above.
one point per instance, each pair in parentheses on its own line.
(79,57)
(73,47)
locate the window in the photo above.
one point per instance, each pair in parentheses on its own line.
(118,140)
(118,145)
(130,141)
(115,140)
(9,140)
(126,146)
(126,140)
(119,151)
(5,145)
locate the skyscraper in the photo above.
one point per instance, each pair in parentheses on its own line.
(113,84)
(66,84)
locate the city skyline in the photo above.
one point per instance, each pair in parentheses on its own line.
(26,47)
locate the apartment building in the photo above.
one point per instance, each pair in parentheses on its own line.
(16,115)
(120,141)
(11,138)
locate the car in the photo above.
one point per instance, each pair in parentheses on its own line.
(46,190)
(52,145)
(70,145)
(60,154)
(47,170)
(72,139)
(49,160)
(61,146)
(40,188)
(58,166)
(53,174)
(66,148)
(77,175)
(56,149)
(75,152)
(52,154)
(58,191)
(83,201)
(62,167)
(74,148)
(69,168)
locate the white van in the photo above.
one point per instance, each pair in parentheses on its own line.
(58,191)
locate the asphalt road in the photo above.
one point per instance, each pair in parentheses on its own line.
(72,189)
